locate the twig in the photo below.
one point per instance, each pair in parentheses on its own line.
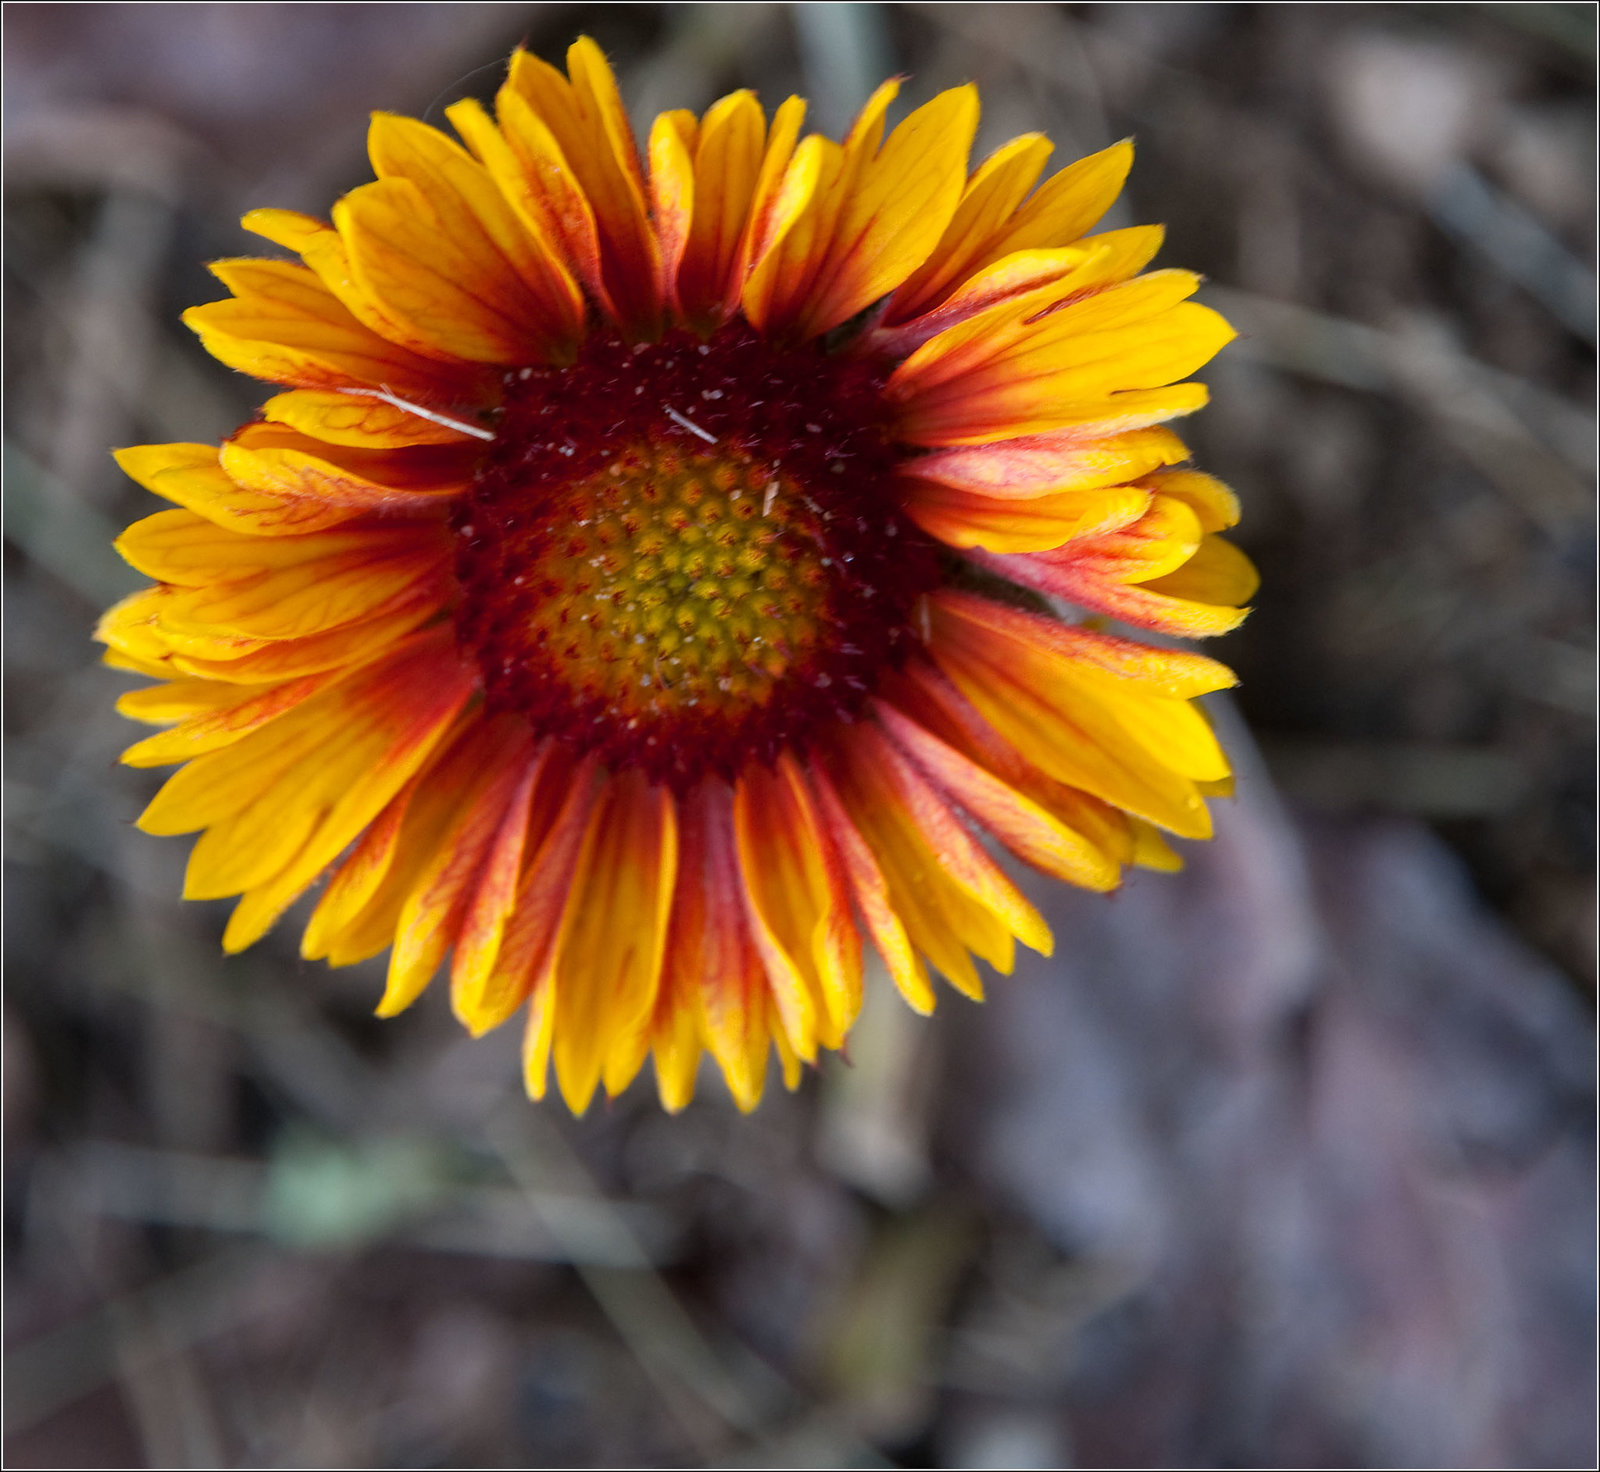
(431,415)
(689,425)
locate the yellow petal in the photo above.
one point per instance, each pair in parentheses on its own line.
(532,173)
(539,1034)
(1218,573)
(223,721)
(675,1045)
(801,225)
(1067,204)
(362,764)
(284,325)
(893,218)
(539,290)
(1161,572)
(322,248)
(996,188)
(1031,276)
(1025,828)
(1205,495)
(1063,720)
(178,700)
(161,667)
(1152,851)
(192,476)
(729,151)
(252,661)
(130,628)
(188,550)
(797,906)
(961,859)
(613,933)
(782,258)
(221,783)
(672,195)
(452,289)
(360,910)
(941,919)
(360,876)
(759,224)
(248,848)
(929,698)
(1031,325)
(309,597)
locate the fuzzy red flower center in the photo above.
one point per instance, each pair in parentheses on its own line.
(688,554)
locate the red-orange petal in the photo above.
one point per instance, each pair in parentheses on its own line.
(714,988)
(1007,372)
(1039,465)
(527,949)
(585,117)
(873,901)
(358,421)
(431,918)
(272,459)
(964,520)
(494,896)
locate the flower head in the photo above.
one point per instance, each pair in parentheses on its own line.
(634,593)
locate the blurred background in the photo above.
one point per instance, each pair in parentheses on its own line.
(1285,1161)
